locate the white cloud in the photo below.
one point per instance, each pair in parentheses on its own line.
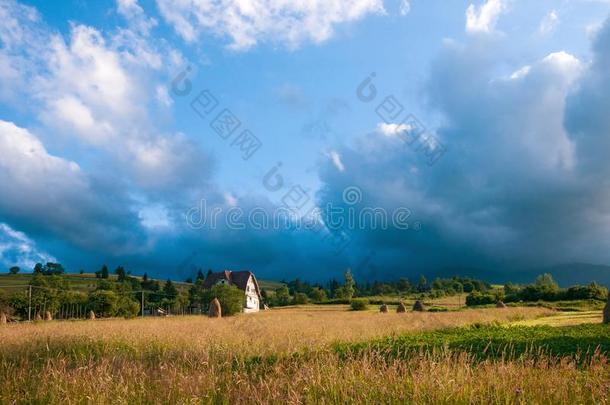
(335,157)
(392,129)
(16,248)
(289,22)
(230,199)
(54,196)
(131,10)
(163,96)
(549,23)
(405,7)
(97,87)
(484,17)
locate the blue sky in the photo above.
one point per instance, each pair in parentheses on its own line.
(102,161)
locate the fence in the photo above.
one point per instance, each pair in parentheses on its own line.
(32,302)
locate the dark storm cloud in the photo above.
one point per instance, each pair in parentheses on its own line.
(517,189)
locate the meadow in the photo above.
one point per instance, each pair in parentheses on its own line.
(308,354)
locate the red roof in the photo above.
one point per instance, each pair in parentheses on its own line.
(237,278)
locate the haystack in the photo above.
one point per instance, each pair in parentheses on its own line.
(215,310)
(3,319)
(418,306)
(500,304)
(91,316)
(607,311)
(383,308)
(401,308)
(48,316)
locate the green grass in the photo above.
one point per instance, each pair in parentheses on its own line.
(88,281)
(491,342)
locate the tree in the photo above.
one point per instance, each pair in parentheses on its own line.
(51,269)
(145,278)
(317,294)
(348,287)
(422,284)
(121,274)
(14,270)
(404,285)
(282,296)
(209,273)
(169,290)
(103,302)
(546,280)
(200,275)
(231,298)
(103,272)
(38,268)
(300,299)
(127,307)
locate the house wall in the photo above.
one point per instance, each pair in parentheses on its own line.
(252,299)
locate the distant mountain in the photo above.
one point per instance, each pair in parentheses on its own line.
(579,273)
(565,274)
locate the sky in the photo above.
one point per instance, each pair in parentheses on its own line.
(301,138)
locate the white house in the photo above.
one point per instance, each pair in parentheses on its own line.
(244,280)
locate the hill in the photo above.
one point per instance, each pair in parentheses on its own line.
(88,281)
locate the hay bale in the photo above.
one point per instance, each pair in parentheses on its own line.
(418,306)
(607,311)
(91,316)
(401,309)
(3,319)
(215,311)
(383,308)
(500,304)
(48,316)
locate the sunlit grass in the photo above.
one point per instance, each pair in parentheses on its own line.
(278,356)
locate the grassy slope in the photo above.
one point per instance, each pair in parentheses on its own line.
(87,281)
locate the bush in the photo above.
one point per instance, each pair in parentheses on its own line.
(127,307)
(359,304)
(477,298)
(231,298)
(300,299)
(103,302)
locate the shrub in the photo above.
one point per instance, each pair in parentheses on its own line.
(300,299)
(103,302)
(231,298)
(477,298)
(359,304)
(127,307)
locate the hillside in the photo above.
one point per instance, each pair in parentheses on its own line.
(88,281)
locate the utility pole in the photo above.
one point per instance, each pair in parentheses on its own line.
(30,304)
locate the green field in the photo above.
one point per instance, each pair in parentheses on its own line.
(482,342)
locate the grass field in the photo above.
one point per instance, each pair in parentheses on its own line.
(291,355)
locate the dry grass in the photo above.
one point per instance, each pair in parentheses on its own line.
(201,360)
(283,330)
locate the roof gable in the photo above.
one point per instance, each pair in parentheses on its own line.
(237,278)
